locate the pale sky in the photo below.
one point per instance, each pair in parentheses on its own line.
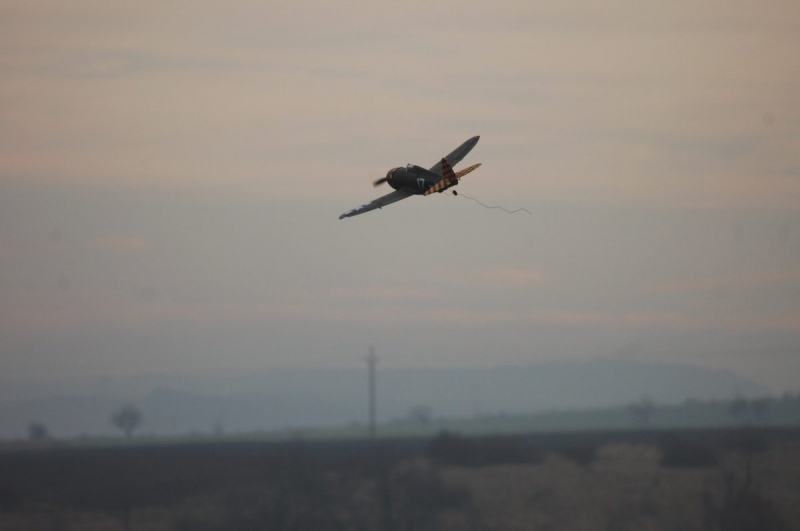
(171,175)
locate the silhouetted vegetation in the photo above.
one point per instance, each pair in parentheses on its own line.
(743,507)
(755,410)
(127,419)
(400,485)
(687,452)
(421,414)
(38,432)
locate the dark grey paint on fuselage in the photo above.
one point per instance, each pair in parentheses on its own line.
(413,179)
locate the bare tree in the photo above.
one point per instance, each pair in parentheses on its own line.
(421,414)
(127,419)
(38,432)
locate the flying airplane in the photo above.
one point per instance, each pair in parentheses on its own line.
(413,180)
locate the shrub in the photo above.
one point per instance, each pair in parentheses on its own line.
(743,508)
(686,452)
(38,432)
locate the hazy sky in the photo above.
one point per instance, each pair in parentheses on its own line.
(171,174)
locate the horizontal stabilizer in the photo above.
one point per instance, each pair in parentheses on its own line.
(448,179)
(465,171)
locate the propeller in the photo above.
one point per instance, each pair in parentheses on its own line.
(380,181)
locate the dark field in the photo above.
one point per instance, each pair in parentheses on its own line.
(725,480)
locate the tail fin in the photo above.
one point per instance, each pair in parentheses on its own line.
(448,179)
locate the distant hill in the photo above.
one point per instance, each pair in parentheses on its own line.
(291,398)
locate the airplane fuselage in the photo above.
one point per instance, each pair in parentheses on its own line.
(412,179)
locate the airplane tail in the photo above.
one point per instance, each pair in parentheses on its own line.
(448,179)
(465,171)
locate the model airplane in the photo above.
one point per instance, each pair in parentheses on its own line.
(413,180)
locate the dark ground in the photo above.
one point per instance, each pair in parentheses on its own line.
(727,480)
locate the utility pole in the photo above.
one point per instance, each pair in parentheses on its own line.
(372,359)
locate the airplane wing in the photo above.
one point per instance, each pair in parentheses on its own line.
(381,202)
(459,153)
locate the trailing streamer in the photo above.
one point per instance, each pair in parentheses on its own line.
(490,207)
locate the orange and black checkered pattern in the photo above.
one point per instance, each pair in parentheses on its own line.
(449,178)
(465,171)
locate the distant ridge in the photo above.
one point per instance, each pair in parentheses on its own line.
(285,398)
